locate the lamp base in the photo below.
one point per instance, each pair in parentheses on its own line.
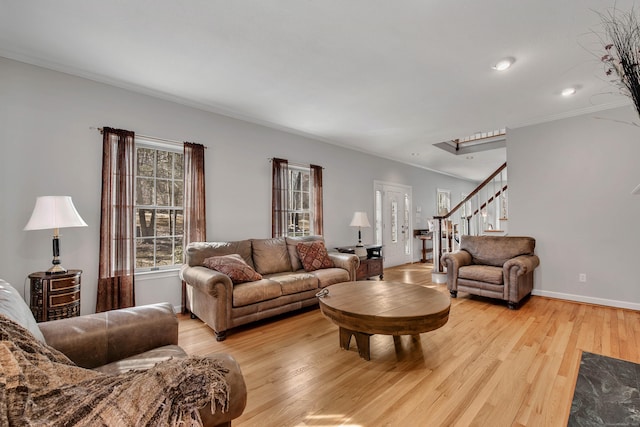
(360,250)
(56,269)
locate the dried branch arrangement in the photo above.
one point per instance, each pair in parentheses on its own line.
(622,57)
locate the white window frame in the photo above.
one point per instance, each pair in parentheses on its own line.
(156,145)
(292,232)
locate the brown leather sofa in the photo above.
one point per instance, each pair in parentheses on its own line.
(492,266)
(285,285)
(122,340)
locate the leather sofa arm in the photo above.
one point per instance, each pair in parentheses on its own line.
(349,262)
(453,261)
(207,280)
(97,339)
(457,259)
(521,265)
(209,297)
(518,277)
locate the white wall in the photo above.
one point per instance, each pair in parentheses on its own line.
(569,187)
(48,149)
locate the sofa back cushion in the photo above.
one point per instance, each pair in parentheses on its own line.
(13,306)
(292,243)
(496,250)
(270,255)
(197,252)
(233,266)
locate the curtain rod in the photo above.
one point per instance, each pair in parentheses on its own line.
(298,164)
(153,138)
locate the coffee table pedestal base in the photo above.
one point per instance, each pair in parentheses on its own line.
(362,341)
(388,308)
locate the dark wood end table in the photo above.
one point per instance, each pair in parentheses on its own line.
(55,296)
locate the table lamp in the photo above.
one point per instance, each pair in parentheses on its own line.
(54,212)
(360,220)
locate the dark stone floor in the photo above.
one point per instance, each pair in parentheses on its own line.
(607,393)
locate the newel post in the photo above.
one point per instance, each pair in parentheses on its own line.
(437,244)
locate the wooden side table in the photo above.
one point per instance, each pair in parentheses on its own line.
(55,296)
(370,267)
(372,250)
(424,235)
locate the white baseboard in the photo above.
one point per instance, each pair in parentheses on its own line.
(589,300)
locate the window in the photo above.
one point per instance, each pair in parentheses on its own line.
(299,212)
(378,230)
(159,215)
(296,199)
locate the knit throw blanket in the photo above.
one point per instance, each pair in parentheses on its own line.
(41,386)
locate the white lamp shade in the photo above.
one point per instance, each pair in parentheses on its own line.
(54,212)
(360,220)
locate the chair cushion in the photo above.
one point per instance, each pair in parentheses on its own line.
(496,250)
(145,360)
(482,273)
(313,255)
(270,255)
(233,266)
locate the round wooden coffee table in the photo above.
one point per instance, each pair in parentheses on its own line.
(362,309)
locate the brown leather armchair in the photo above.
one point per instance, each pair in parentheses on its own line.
(492,266)
(121,340)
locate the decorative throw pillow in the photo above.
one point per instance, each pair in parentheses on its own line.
(313,255)
(233,266)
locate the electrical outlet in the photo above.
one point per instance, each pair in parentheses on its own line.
(582,277)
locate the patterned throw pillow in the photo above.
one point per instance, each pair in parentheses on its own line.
(233,266)
(313,255)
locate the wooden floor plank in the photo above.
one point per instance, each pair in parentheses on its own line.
(487,366)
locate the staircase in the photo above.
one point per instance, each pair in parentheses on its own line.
(483,212)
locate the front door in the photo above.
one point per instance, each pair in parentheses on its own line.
(393,220)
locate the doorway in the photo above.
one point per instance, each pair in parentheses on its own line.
(393,222)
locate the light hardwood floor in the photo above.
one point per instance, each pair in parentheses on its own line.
(488,366)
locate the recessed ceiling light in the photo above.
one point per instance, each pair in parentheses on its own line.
(503,64)
(568,91)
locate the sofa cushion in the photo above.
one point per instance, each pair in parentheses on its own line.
(482,273)
(293,283)
(253,292)
(13,306)
(270,255)
(197,252)
(233,266)
(329,276)
(313,255)
(292,242)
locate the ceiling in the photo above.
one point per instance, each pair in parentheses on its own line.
(390,78)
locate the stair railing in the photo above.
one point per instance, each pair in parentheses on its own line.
(473,218)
